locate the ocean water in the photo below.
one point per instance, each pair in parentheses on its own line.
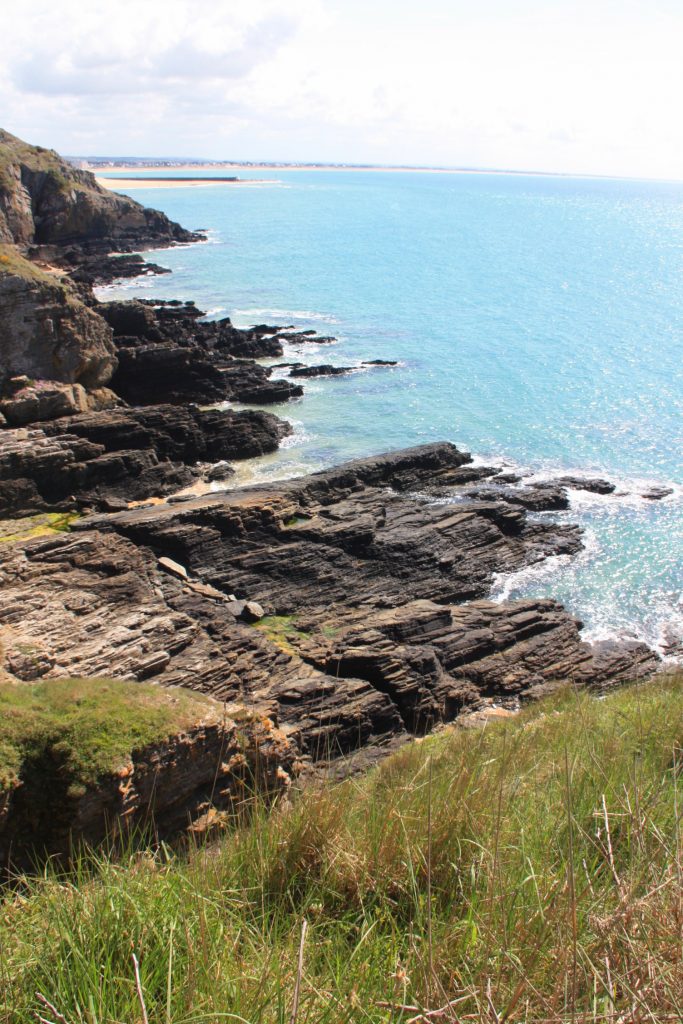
(538,323)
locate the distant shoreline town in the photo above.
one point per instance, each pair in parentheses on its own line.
(126,163)
(134,163)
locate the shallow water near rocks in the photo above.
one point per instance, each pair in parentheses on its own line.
(538,321)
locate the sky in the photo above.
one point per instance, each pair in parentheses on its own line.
(585,87)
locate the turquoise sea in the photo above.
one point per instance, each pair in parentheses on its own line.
(538,322)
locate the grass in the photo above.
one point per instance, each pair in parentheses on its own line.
(88,726)
(281,630)
(526,871)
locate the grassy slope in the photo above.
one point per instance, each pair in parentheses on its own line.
(530,870)
(12,262)
(94,723)
(15,151)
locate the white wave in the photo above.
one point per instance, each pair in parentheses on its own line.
(505,584)
(661,628)
(629,491)
(125,284)
(284,464)
(292,314)
(498,461)
(260,183)
(298,436)
(211,313)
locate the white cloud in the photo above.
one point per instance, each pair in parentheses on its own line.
(586,85)
(146,47)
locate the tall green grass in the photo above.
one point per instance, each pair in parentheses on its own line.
(528,871)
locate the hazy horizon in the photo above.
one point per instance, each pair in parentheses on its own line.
(303,163)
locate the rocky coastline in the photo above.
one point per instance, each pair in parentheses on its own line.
(348,608)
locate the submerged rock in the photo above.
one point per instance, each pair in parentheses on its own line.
(657,493)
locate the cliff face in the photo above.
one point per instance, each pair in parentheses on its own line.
(82,760)
(44,200)
(46,332)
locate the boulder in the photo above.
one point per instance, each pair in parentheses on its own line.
(43,400)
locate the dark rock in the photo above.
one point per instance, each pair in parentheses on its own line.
(131,454)
(301,337)
(321,371)
(220,471)
(580,483)
(657,493)
(536,497)
(380,362)
(252,383)
(88,268)
(181,434)
(265,329)
(166,353)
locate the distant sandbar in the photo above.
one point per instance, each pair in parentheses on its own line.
(146,181)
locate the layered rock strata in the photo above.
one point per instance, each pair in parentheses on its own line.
(376,624)
(106,459)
